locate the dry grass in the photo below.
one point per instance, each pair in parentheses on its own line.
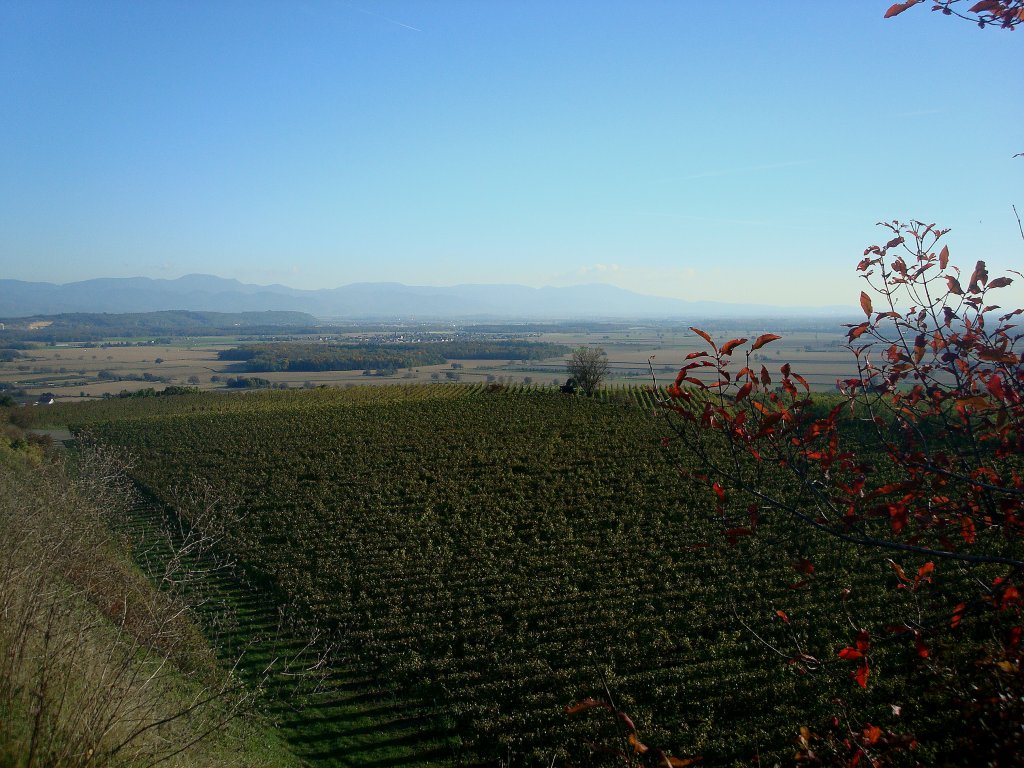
(97,667)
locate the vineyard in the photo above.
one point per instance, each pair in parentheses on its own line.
(497,553)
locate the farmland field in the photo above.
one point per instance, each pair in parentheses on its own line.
(497,553)
(96,369)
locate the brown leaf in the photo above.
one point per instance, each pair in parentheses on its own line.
(978,278)
(944,257)
(676,762)
(730,345)
(763,339)
(860,675)
(704,336)
(584,705)
(865,303)
(637,745)
(856,333)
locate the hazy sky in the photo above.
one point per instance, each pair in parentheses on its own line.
(727,151)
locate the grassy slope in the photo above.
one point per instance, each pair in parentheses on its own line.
(90,653)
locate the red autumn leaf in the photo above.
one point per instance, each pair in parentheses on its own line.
(719,491)
(984,5)
(1000,282)
(920,647)
(676,762)
(862,640)
(958,615)
(872,733)
(860,675)
(763,339)
(924,574)
(1014,640)
(944,257)
(996,356)
(704,336)
(765,378)
(730,345)
(744,391)
(858,331)
(584,705)
(995,386)
(919,346)
(782,615)
(1011,596)
(897,8)
(803,565)
(898,516)
(967,530)
(637,746)
(865,303)
(785,369)
(900,573)
(850,654)
(626,720)
(954,286)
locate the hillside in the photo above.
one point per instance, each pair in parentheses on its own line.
(498,553)
(98,665)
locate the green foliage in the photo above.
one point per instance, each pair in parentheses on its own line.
(247,382)
(497,553)
(165,392)
(299,356)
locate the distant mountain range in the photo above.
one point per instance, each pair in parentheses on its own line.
(371,300)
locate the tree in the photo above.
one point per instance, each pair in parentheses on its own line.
(919,457)
(588,366)
(1007,14)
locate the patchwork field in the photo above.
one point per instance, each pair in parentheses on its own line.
(80,371)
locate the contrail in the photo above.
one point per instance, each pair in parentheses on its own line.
(385,18)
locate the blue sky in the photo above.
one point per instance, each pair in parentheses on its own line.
(723,151)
